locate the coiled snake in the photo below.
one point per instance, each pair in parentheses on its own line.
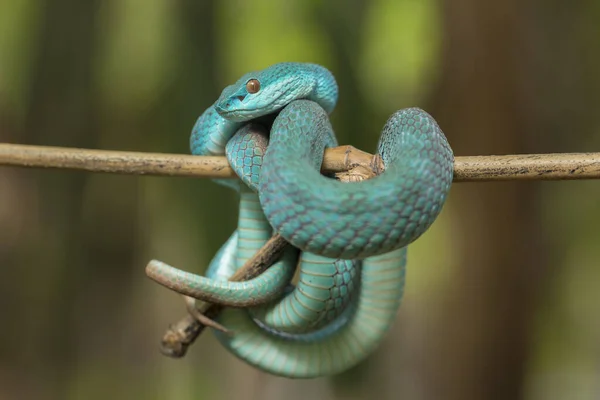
(352,236)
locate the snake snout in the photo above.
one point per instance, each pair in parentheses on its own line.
(234,109)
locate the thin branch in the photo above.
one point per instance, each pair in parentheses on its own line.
(558,166)
(337,160)
(180,335)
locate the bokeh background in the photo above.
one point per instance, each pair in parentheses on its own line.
(503,293)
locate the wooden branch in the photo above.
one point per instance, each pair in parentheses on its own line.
(558,166)
(337,160)
(180,335)
(346,162)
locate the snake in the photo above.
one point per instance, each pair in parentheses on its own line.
(348,240)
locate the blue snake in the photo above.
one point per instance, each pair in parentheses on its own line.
(273,127)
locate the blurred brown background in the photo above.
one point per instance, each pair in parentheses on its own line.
(503,294)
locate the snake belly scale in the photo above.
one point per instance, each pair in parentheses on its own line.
(352,237)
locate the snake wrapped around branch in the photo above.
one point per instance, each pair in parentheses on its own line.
(349,239)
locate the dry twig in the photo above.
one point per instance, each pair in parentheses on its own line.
(346,162)
(336,160)
(184,332)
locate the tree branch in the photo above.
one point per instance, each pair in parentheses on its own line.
(182,334)
(346,162)
(337,160)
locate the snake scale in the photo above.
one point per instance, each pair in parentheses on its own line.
(349,239)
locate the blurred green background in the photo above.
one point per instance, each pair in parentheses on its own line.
(503,295)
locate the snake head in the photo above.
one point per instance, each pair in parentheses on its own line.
(264,92)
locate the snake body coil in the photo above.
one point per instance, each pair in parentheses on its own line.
(353,236)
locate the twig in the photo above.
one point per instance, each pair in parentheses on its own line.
(346,162)
(180,335)
(558,166)
(190,305)
(340,159)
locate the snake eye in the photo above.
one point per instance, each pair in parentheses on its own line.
(252,86)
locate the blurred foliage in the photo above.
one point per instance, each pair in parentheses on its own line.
(82,321)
